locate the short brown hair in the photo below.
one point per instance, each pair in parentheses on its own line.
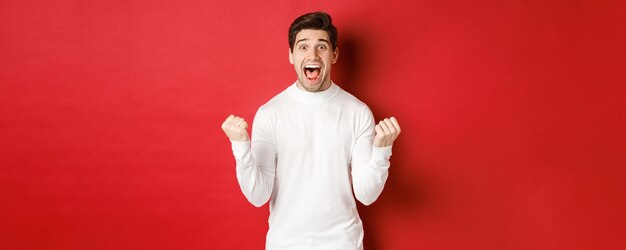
(317,21)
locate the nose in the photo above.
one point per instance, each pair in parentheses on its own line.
(312,53)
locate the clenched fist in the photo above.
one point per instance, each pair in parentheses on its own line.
(387,131)
(236,128)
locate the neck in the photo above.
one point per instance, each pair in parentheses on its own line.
(310,97)
(324,86)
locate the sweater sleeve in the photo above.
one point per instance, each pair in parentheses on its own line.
(369,164)
(256,162)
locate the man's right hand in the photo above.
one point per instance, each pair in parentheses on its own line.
(236,128)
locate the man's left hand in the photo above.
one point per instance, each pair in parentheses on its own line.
(387,131)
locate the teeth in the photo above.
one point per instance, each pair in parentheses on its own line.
(312,67)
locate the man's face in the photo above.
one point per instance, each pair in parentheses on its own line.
(312,57)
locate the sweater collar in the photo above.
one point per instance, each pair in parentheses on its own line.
(312,97)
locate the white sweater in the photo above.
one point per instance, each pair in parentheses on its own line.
(309,152)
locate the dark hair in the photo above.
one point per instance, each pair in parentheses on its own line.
(316,21)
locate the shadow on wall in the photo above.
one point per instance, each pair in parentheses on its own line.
(404,196)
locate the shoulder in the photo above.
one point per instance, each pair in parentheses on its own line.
(276,102)
(350,101)
(274,107)
(359,111)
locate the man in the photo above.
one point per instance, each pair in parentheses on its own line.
(312,145)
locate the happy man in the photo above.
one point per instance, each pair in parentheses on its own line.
(312,146)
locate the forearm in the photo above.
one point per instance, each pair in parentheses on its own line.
(255,177)
(368,178)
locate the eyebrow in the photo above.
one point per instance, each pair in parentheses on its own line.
(306,39)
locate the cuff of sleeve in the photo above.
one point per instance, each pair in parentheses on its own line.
(240,147)
(381,155)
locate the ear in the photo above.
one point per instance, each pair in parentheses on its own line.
(290,56)
(335,55)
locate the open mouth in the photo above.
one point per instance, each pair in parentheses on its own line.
(312,72)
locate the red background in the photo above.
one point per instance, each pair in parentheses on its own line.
(512,113)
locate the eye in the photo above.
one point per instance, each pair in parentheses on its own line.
(303,47)
(322,46)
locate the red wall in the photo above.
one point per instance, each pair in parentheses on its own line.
(512,115)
